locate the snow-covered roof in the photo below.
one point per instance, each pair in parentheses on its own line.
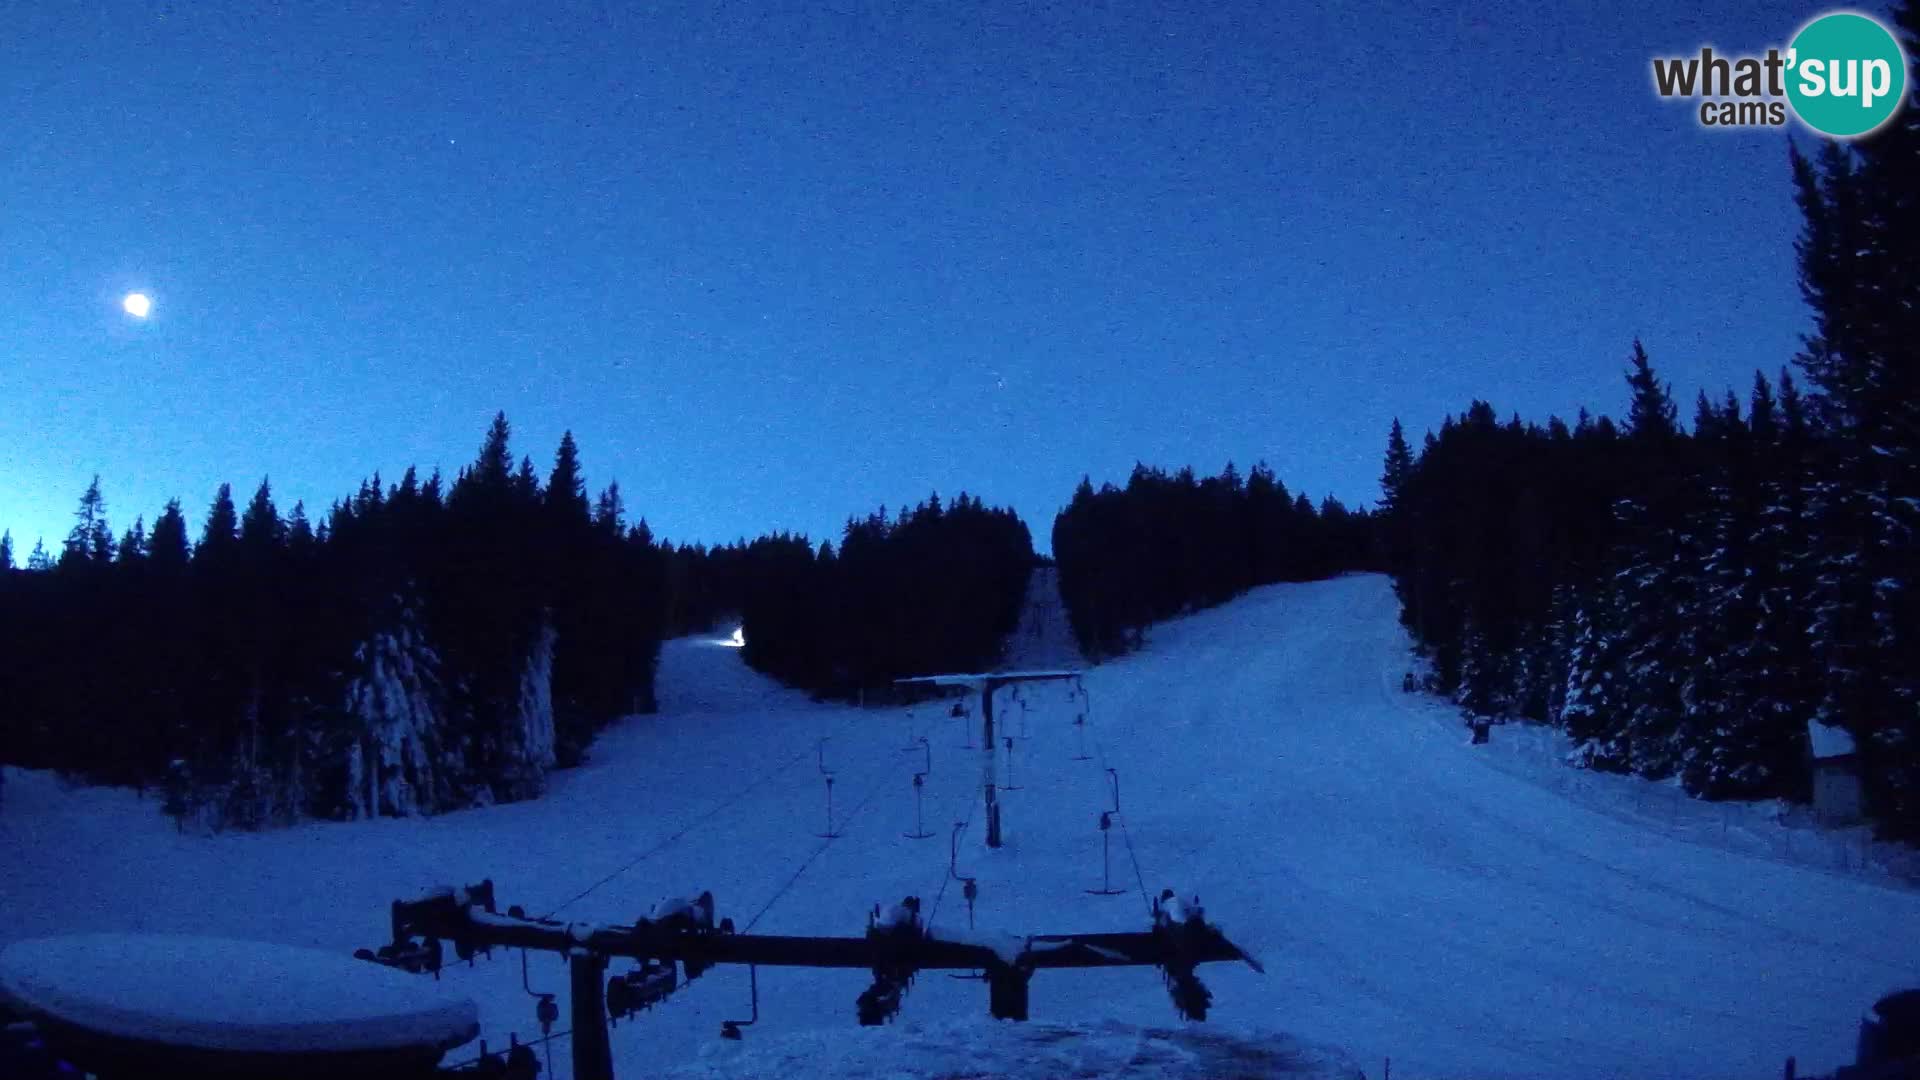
(231,996)
(1829,741)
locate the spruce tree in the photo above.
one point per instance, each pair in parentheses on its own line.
(300,538)
(6,550)
(261,529)
(526,483)
(133,545)
(1595,700)
(1652,416)
(610,510)
(1859,268)
(167,546)
(1659,586)
(1398,467)
(566,494)
(39,560)
(91,540)
(217,539)
(495,465)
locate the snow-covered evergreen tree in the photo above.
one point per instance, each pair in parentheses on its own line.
(1595,697)
(1657,584)
(527,740)
(397,761)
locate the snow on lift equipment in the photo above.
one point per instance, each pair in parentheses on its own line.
(896,947)
(640,989)
(1175,923)
(424,954)
(685,915)
(892,934)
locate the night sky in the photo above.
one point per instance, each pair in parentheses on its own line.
(784,263)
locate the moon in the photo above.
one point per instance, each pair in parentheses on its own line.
(137,305)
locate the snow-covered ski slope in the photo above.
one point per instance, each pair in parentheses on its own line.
(1044,638)
(1412,897)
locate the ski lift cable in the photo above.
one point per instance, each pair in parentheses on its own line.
(817,851)
(973,803)
(703,818)
(1086,704)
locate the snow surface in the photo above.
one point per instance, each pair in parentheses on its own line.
(1468,911)
(1828,740)
(1033,1051)
(234,996)
(1043,640)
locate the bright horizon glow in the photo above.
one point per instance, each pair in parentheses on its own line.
(137,305)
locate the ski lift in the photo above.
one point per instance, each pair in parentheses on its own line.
(919,803)
(640,989)
(1176,923)
(899,924)
(1106,861)
(682,913)
(518,1063)
(544,1009)
(413,957)
(730,1029)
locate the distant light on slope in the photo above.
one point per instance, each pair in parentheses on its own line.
(739,638)
(137,305)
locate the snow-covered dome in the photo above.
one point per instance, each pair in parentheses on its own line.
(241,997)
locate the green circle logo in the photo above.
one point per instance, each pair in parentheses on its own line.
(1846,75)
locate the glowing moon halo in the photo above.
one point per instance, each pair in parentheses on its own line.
(137,305)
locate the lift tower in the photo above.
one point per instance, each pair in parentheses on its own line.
(987,684)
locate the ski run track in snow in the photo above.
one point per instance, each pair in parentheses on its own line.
(1466,911)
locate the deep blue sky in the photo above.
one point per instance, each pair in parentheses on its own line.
(780,264)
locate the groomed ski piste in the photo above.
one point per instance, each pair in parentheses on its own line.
(1464,911)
